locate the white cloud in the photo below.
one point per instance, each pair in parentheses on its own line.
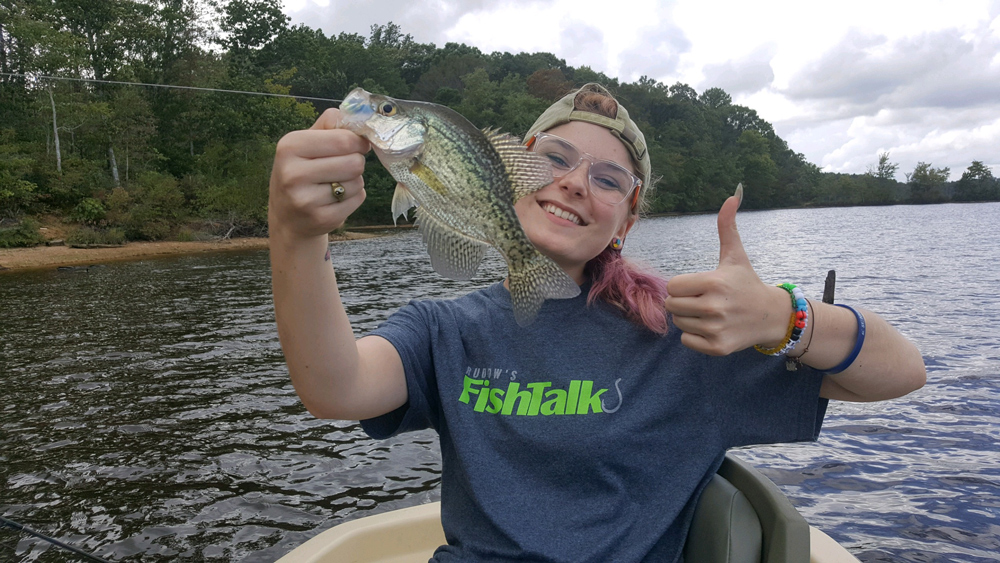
(929,94)
(746,75)
(579,39)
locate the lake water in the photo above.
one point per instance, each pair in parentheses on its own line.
(146,412)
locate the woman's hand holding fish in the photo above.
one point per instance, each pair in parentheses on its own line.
(302,203)
(730,308)
(335,376)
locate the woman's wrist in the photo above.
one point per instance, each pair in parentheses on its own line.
(779,311)
(832,336)
(290,248)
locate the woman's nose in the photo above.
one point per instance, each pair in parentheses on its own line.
(577,180)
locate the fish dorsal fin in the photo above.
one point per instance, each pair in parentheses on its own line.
(528,172)
(402,201)
(453,255)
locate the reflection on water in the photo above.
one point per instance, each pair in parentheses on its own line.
(147,413)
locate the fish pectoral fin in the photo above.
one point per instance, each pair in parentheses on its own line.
(453,255)
(402,201)
(528,172)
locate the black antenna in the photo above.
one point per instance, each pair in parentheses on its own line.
(53,541)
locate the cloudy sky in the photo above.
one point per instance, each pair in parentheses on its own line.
(840,81)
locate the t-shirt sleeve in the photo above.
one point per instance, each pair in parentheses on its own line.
(410,330)
(766,403)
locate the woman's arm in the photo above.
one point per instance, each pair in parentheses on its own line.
(730,309)
(887,366)
(335,375)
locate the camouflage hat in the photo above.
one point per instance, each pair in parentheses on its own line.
(621,126)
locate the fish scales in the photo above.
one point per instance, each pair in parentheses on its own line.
(463,182)
(459,208)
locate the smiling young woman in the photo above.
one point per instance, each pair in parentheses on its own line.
(589,434)
(585,118)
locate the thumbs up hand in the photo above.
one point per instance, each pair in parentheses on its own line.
(730,308)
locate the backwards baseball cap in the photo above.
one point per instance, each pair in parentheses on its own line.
(621,126)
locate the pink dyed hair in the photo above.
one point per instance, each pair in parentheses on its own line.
(635,289)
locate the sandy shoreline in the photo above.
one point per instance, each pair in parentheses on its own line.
(41,257)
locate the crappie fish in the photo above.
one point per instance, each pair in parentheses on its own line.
(464,183)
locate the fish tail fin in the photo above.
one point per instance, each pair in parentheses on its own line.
(402,201)
(538,279)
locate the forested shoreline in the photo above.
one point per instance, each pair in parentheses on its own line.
(122,162)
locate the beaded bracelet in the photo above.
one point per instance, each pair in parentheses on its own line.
(857,344)
(793,364)
(797,324)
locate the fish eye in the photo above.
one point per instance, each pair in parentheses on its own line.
(387,109)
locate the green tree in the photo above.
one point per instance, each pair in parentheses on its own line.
(884,170)
(408,59)
(759,171)
(524,64)
(249,25)
(32,41)
(481,99)
(112,31)
(585,74)
(742,119)
(548,84)
(450,65)
(977,184)
(881,178)
(925,183)
(715,98)
(131,127)
(519,112)
(17,194)
(684,92)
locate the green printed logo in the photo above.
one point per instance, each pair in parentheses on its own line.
(537,398)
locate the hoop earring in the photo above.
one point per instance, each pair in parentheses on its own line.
(617,243)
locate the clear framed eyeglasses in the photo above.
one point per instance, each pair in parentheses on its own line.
(609,182)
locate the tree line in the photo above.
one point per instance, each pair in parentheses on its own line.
(123,162)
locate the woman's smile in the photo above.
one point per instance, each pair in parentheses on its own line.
(560,215)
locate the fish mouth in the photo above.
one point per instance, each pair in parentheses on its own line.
(358,114)
(561,213)
(356,108)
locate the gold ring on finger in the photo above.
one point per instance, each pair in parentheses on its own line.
(338,191)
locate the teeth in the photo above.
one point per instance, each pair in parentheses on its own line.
(562,213)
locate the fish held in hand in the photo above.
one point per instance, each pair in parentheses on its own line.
(464,183)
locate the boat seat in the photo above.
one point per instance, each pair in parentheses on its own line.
(742,517)
(725,528)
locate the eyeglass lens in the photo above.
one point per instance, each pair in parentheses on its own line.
(608,181)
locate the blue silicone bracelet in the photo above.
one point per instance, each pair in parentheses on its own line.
(857,345)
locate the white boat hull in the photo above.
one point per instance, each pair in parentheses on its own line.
(411,535)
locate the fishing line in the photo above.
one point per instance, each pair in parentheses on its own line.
(198,88)
(53,541)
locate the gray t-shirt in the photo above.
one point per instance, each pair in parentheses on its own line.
(581,437)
